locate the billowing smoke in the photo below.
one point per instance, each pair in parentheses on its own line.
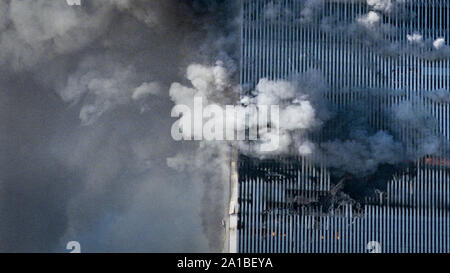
(85,118)
(311,125)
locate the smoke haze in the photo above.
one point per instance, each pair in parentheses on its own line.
(85,124)
(86,94)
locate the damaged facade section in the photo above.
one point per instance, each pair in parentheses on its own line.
(287,205)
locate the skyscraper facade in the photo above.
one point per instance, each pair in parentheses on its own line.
(380,54)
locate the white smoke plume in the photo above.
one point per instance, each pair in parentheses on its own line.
(297,115)
(381,5)
(358,148)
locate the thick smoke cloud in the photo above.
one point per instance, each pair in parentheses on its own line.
(85,119)
(311,125)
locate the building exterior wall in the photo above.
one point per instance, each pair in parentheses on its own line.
(413,214)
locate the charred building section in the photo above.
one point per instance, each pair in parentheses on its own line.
(285,206)
(294,204)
